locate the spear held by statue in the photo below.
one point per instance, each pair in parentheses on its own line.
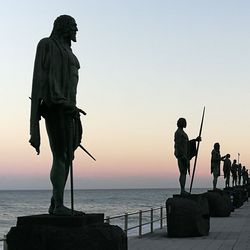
(197,151)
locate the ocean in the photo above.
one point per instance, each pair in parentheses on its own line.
(111,202)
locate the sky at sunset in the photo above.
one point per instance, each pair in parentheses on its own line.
(144,64)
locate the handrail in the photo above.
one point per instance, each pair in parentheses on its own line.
(140,224)
(4,242)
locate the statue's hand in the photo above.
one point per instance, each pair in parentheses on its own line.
(81,111)
(198,138)
(73,110)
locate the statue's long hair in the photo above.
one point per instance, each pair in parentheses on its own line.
(61,26)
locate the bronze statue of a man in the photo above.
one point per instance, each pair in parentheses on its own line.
(234,173)
(227,169)
(53,97)
(184,151)
(216,158)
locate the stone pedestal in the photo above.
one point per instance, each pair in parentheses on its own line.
(219,203)
(48,232)
(187,216)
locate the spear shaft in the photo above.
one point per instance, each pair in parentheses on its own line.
(196,156)
(86,151)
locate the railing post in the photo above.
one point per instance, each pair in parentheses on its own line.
(140,223)
(5,247)
(152,219)
(126,223)
(161,216)
(108,219)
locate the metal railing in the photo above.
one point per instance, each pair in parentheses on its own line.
(161,217)
(4,243)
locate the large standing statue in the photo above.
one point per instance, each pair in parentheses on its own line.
(239,173)
(215,163)
(227,169)
(184,151)
(234,173)
(53,97)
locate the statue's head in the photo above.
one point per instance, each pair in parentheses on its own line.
(65,27)
(181,123)
(217,146)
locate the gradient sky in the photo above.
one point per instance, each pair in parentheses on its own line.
(144,64)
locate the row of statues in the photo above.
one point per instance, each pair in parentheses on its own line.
(185,150)
(238,173)
(53,97)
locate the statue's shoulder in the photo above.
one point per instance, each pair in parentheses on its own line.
(45,42)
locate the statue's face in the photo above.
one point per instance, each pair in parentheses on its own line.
(72,31)
(217,146)
(182,123)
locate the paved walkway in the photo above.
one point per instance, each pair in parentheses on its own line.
(225,233)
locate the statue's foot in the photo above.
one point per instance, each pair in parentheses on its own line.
(52,205)
(51,209)
(184,193)
(64,211)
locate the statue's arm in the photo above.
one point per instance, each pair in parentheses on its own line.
(179,141)
(36,94)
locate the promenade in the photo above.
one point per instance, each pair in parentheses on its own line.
(225,233)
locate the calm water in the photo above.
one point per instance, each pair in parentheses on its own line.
(111,202)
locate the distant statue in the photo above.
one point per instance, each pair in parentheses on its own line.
(215,163)
(244,175)
(227,169)
(239,173)
(184,151)
(247,177)
(53,97)
(234,173)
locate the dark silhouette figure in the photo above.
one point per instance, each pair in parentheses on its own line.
(234,173)
(215,163)
(53,97)
(247,177)
(185,150)
(227,169)
(244,175)
(239,173)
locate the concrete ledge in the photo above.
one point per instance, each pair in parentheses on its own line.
(65,221)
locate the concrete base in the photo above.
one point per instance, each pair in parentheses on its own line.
(47,232)
(219,203)
(187,216)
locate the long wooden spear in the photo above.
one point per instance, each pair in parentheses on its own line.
(196,156)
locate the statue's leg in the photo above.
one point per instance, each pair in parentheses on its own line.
(57,177)
(66,167)
(183,165)
(182,181)
(215,181)
(55,125)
